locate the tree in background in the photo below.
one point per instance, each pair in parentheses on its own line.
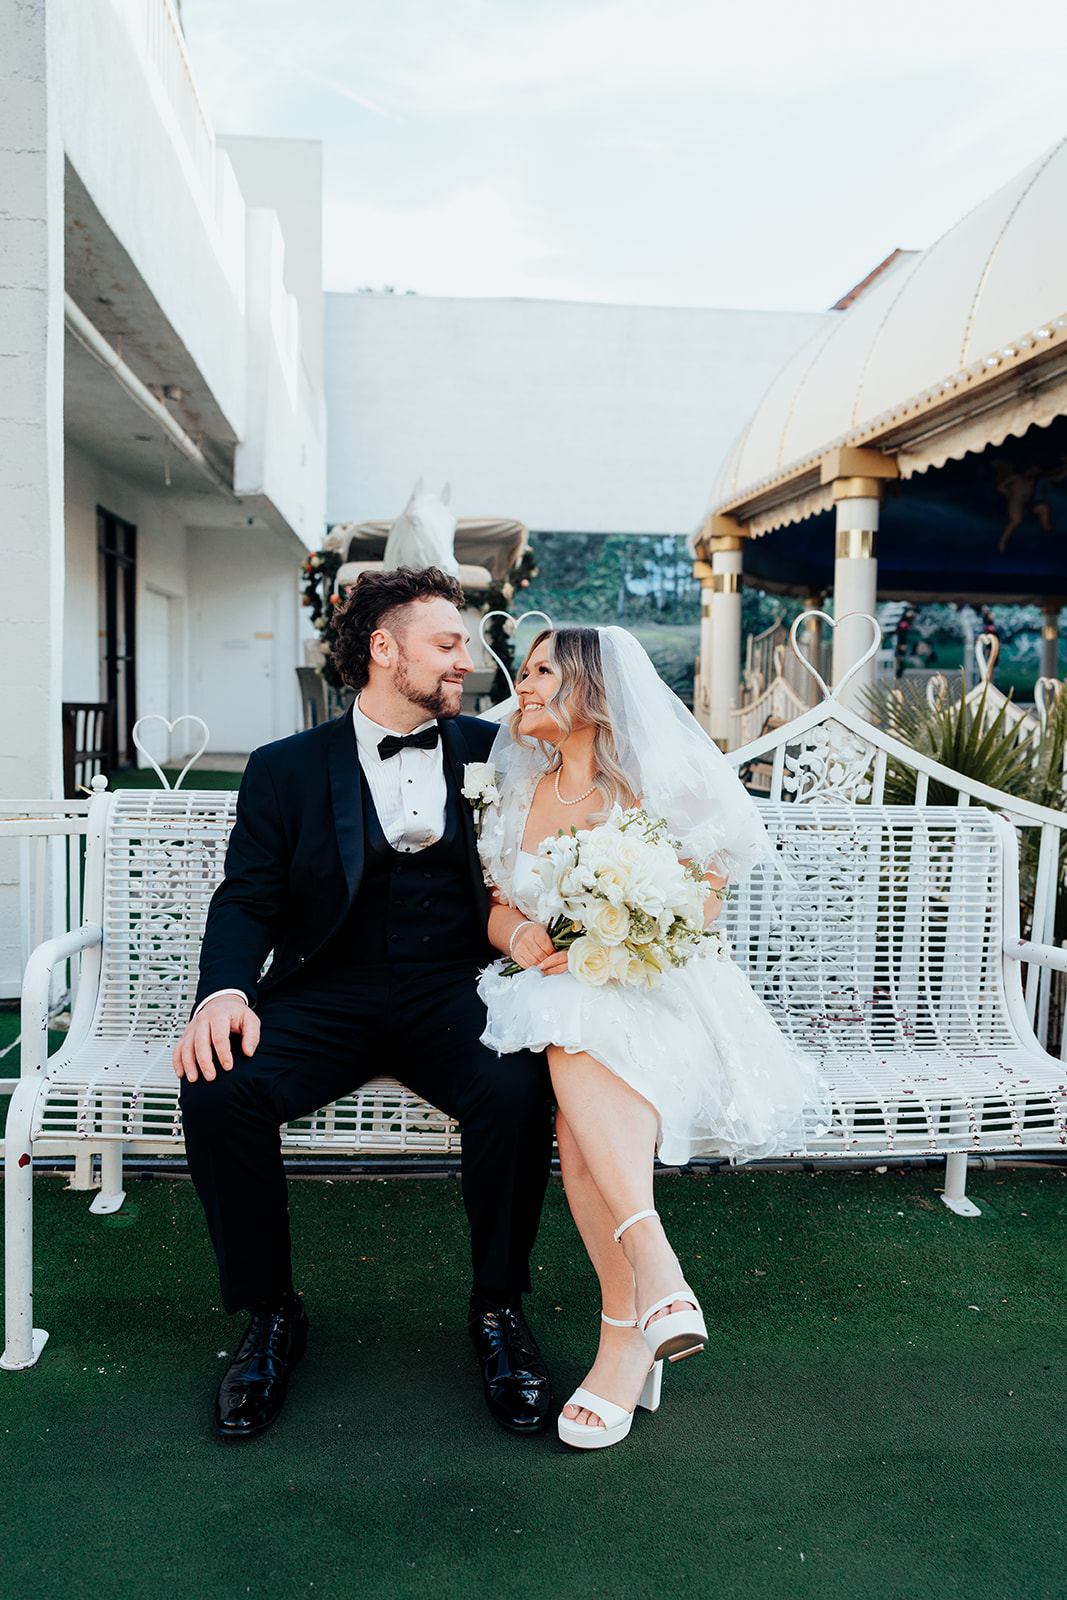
(643,583)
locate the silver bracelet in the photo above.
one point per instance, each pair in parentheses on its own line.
(529,923)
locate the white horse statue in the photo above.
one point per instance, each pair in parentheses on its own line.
(423,534)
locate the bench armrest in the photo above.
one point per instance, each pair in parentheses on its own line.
(1041,955)
(36,990)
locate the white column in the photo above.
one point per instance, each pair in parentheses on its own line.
(1050,640)
(726,563)
(702,680)
(31,405)
(855,579)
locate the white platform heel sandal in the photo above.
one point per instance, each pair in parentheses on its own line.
(616,1419)
(683,1333)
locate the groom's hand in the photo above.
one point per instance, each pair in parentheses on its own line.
(207,1038)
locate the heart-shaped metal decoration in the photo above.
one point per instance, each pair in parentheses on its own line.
(1047,693)
(875,646)
(986,651)
(170,727)
(517,621)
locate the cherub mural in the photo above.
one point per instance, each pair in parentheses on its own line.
(1019,488)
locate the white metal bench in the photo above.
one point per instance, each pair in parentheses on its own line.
(891,951)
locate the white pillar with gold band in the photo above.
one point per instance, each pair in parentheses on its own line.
(1050,639)
(857,477)
(723,540)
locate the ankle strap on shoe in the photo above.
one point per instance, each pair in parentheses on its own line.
(638,1216)
(613,1322)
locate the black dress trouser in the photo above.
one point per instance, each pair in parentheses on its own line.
(324,1033)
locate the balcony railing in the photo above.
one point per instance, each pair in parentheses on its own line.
(156,30)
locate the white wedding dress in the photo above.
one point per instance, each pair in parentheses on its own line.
(699,1047)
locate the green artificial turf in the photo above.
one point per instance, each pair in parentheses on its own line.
(879,1412)
(9,1035)
(146,778)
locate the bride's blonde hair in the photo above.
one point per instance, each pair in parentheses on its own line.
(580,701)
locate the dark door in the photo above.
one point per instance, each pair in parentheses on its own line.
(117,544)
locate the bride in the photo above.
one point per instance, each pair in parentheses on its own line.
(694,1065)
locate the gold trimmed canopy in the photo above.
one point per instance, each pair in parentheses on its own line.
(950,349)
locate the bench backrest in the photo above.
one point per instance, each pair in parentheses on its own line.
(889,936)
(886,935)
(163,859)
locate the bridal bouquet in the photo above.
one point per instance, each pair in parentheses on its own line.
(619,901)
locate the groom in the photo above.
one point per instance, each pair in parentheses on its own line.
(353,858)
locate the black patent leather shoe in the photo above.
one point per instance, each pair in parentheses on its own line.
(514,1375)
(252,1393)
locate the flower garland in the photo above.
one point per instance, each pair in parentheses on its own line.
(319,571)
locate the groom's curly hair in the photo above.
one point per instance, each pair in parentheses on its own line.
(378,600)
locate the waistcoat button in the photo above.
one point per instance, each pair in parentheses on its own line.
(426,938)
(394,938)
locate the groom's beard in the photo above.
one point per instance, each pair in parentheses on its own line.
(440,699)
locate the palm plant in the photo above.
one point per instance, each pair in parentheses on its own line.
(956,735)
(1003,756)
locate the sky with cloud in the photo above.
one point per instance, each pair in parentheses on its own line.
(761,154)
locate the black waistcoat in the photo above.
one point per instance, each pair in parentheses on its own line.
(410,907)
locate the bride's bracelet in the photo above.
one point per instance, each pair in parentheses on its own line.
(529,923)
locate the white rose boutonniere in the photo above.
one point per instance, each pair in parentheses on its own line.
(479,788)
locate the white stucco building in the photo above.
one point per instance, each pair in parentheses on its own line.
(574,418)
(162,441)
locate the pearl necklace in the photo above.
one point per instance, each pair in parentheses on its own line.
(580,798)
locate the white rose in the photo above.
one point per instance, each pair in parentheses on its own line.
(610,924)
(479,783)
(628,968)
(589,962)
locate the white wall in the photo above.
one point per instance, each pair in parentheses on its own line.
(286,175)
(213,262)
(572,417)
(182,227)
(31,407)
(243,633)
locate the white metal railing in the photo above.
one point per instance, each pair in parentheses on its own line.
(157,32)
(46,850)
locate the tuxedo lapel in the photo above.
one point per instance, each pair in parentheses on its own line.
(347,802)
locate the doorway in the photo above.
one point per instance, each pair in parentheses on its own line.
(117,546)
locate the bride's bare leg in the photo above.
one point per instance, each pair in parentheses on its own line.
(606,1133)
(621,1364)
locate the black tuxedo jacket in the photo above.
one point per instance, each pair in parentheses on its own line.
(295,856)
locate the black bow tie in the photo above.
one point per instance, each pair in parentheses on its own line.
(393,743)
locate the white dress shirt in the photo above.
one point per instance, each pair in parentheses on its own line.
(409,792)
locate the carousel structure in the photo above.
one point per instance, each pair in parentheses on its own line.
(915,450)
